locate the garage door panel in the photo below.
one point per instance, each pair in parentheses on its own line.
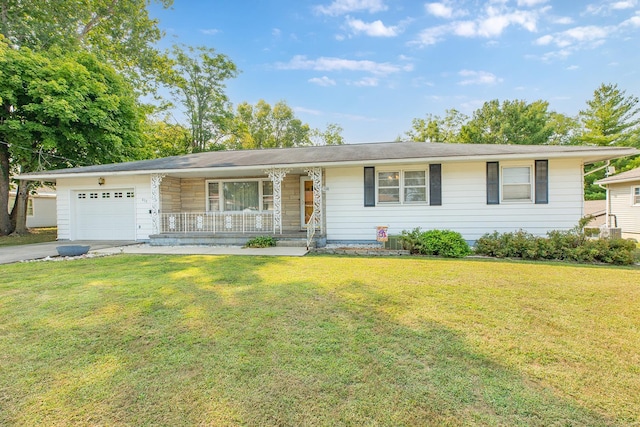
(105,215)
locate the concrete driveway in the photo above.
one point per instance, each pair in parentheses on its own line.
(9,254)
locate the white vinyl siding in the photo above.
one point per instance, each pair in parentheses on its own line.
(464,208)
(622,198)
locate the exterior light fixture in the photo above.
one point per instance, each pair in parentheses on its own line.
(101,181)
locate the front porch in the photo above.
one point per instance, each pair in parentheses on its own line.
(229,210)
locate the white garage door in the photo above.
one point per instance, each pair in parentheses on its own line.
(104,215)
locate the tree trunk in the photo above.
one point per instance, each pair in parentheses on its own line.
(19,211)
(6,227)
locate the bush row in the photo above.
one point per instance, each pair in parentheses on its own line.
(558,245)
(573,245)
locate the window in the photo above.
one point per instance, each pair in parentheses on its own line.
(636,195)
(239,195)
(106,195)
(402,187)
(29,207)
(516,183)
(415,186)
(388,187)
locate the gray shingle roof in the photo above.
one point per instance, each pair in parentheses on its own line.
(632,175)
(342,154)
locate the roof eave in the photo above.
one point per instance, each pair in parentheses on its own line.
(585,156)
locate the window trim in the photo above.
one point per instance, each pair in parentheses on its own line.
(220,182)
(530,166)
(635,202)
(401,186)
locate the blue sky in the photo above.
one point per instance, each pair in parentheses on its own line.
(371,66)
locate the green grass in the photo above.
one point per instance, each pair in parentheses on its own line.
(319,340)
(36,235)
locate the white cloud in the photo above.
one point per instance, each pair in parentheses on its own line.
(322,81)
(211,31)
(544,40)
(573,67)
(619,5)
(276,32)
(301,62)
(440,10)
(342,7)
(491,22)
(562,20)
(373,29)
(530,3)
(478,78)
(633,22)
(304,110)
(367,82)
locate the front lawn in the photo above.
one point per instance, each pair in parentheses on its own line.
(35,235)
(319,340)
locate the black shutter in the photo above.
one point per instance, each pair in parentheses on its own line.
(369,186)
(493,183)
(435,184)
(542,181)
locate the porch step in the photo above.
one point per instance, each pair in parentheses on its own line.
(190,239)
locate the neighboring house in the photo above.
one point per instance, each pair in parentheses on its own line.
(41,208)
(597,209)
(623,202)
(346,191)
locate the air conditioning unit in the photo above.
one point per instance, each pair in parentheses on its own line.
(611,232)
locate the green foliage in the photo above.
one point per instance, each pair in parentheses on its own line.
(612,118)
(199,85)
(445,243)
(260,242)
(570,245)
(512,122)
(437,129)
(161,139)
(262,126)
(118,32)
(332,135)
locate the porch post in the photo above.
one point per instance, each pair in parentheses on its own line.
(316,175)
(277,176)
(156,180)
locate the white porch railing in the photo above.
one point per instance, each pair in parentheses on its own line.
(217,222)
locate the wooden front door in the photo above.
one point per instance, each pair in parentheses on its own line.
(306,201)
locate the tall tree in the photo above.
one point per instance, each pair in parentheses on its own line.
(199,85)
(331,135)
(512,122)
(60,110)
(162,139)
(262,126)
(611,118)
(118,31)
(438,129)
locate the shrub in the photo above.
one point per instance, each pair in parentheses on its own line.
(260,242)
(444,243)
(558,245)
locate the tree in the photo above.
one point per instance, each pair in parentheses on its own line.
(118,31)
(261,126)
(612,118)
(60,110)
(162,139)
(513,122)
(332,135)
(199,84)
(437,129)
